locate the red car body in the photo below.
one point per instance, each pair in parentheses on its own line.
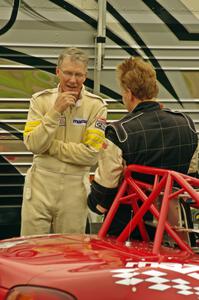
(84,267)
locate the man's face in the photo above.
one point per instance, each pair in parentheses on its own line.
(72,75)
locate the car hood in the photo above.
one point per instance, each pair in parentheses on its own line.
(86,265)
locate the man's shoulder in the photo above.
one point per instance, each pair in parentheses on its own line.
(44,92)
(178,113)
(130,116)
(117,130)
(94,97)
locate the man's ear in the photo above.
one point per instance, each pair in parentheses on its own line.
(57,71)
(129,94)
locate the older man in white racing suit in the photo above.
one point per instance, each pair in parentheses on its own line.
(65,131)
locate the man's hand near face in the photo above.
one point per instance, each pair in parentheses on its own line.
(64,100)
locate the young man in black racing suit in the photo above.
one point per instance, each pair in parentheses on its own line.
(148,135)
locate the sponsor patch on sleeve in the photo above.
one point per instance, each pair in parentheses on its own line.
(100,123)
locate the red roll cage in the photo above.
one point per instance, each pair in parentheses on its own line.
(132,190)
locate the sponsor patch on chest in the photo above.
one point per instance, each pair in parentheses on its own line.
(79,121)
(62,121)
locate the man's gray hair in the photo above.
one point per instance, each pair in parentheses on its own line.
(74,54)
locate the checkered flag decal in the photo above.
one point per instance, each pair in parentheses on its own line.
(157,280)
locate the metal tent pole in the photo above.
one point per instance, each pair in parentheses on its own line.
(99,44)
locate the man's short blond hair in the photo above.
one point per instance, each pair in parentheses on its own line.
(74,54)
(139,76)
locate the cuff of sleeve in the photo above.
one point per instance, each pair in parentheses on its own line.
(101,195)
(92,205)
(53,116)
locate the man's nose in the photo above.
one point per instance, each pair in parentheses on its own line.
(73,77)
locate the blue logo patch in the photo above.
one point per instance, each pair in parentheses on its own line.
(79,122)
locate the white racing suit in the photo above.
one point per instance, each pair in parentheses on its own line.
(65,146)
